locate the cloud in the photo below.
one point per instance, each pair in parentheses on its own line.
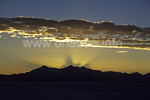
(69,26)
(121,51)
(130,36)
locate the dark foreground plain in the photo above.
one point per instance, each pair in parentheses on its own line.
(73,91)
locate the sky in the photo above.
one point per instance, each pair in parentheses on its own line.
(119,11)
(16,58)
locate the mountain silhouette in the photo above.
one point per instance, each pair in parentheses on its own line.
(75,74)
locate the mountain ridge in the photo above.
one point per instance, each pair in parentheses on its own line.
(75,74)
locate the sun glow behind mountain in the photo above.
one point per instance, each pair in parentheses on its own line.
(25,46)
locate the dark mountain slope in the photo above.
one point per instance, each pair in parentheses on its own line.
(75,74)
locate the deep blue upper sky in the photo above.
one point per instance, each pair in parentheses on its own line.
(135,12)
